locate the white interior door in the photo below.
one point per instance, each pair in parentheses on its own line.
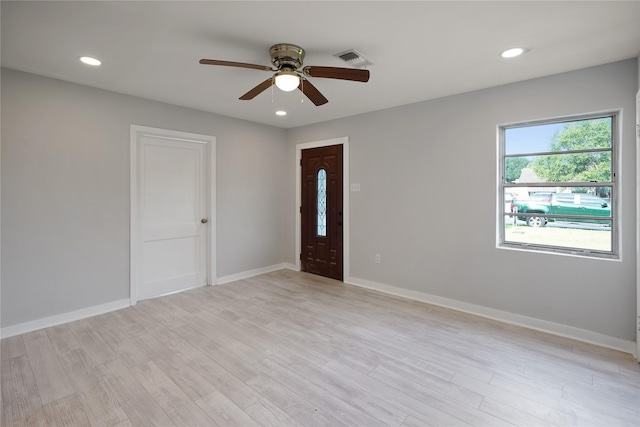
(172,215)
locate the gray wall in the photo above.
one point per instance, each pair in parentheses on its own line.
(428,201)
(65,192)
(65,197)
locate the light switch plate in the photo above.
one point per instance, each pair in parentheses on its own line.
(355,187)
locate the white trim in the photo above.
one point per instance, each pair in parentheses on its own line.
(178,291)
(72,316)
(84,313)
(489,313)
(210,141)
(251,273)
(637,322)
(290,266)
(344,141)
(502,316)
(212,230)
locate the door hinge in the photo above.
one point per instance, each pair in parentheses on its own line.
(300,209)
(300,256)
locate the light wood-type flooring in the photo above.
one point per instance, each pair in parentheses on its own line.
(292,349)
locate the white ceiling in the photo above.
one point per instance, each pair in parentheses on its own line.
(421,50)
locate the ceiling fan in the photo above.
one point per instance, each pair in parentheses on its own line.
(288,58)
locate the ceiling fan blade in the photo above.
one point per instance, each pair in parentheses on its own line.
(258,89)
(312,93)
(236,64)
(353,74)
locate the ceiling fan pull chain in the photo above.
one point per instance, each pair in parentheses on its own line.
(302,87)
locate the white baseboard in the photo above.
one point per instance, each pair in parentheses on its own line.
(59,319)
(251,273)
(84,313)
(478,310)
(503,316)
(290,266)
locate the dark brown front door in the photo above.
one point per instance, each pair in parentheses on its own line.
(321,211)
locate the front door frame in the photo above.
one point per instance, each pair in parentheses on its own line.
(344,141)
(134,237)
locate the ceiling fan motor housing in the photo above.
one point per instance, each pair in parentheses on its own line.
(288,56)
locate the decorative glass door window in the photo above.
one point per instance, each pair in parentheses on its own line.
(322,202)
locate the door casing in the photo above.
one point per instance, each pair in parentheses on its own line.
(136,133)
(637,349)
(344,141)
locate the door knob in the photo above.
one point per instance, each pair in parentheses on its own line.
(204,220)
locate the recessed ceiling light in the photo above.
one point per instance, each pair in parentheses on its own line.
(512,53)
(90,61)
(281,113)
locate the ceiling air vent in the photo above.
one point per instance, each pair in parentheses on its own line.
(354,58)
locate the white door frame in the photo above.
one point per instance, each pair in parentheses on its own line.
(135,239)
(637,228)
(344,141)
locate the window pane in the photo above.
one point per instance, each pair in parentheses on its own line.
(566,136)
(575,167)
(322,202)
(584,205)
(595,237)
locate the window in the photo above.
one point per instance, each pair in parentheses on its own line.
(558,185)
(322,202)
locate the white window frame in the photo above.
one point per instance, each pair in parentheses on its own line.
(615,116)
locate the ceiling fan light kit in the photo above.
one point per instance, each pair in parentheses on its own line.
(287,80)
(288,59)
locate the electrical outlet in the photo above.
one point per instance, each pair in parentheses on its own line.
(377,258)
